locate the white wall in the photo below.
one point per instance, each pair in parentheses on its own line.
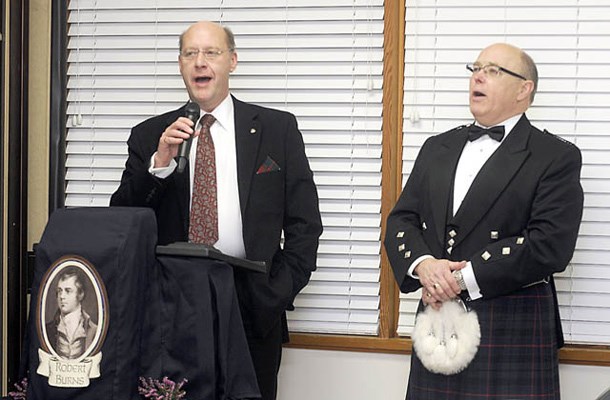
(338,375)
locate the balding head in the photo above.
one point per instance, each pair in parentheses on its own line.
(496,97)
(230,38)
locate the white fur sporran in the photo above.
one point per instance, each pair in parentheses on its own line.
(446,340)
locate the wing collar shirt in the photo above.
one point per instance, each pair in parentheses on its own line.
(473,156)
(230,236)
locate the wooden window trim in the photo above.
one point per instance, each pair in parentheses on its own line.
(570,354)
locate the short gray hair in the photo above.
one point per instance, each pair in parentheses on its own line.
(531,72)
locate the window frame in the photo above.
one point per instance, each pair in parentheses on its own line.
(387,341)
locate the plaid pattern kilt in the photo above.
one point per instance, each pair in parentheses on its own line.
(517,358)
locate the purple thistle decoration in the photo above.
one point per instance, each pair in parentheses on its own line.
(165,389)
(21,391)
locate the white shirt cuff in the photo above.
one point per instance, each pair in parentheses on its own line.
(471,282)
(162,172)
(415,264)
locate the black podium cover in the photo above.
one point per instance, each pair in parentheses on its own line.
(119,244)
(196,330)
(139,316)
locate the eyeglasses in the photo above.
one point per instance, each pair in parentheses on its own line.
(208,54)
(492,70)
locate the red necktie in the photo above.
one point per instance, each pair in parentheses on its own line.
(203,227)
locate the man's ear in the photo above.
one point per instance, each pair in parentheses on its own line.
(527,87)
(233,61)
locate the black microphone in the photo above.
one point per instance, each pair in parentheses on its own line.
(191,111)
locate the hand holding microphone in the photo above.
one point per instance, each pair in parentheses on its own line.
(191,112)
(175,142)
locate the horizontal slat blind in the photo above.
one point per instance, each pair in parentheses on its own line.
(569,41)
(321,60)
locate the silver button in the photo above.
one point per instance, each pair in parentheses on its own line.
(520,240)
(505,251)
(494,234)
(486,256)
(400,234)
(452,233)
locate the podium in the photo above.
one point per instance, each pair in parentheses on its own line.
(109,306)
(182,249)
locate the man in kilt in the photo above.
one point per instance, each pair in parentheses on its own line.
(489,213)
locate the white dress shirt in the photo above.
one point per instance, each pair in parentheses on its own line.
(473,156)
(230,235)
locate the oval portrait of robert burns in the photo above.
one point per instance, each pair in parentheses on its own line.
(72,309)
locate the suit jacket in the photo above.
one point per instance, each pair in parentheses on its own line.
(281,200)
(517,224)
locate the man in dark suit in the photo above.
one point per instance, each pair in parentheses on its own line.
(490,219)
(265,188)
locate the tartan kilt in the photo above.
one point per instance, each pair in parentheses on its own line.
(517,357)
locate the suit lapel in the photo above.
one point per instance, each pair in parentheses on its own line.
(248,131)
(441,178)
(493,178)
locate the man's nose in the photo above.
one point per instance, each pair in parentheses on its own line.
(201,60)
(479,76)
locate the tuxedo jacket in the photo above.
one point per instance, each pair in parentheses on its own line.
(272,201)
(517,224)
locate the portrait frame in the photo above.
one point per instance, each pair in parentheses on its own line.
(95,303)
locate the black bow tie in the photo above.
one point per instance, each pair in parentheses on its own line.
(496,132)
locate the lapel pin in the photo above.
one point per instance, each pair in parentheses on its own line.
(252,130)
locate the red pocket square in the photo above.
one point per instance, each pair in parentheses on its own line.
(268,166)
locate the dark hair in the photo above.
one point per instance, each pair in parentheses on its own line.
(230,38)
(79,280)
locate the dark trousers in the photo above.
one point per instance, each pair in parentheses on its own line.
(266,355)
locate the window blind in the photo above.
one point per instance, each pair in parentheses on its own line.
(321,60)
(569,42)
